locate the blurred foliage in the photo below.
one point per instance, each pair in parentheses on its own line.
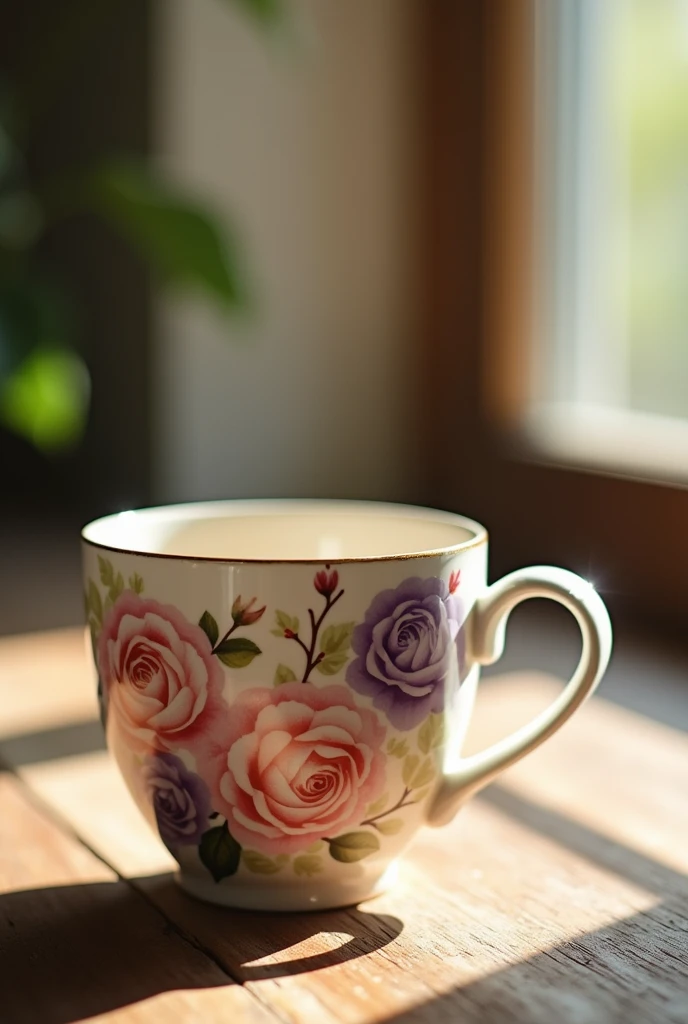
(44,383)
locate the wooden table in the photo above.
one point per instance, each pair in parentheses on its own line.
(559,895)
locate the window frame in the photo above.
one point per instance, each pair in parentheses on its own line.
(627,535)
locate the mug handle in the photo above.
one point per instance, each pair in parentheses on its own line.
(488,626)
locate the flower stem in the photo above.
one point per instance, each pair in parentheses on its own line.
(402,802)
(312,659)
(229,632)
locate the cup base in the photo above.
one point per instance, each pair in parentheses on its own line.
(298,896)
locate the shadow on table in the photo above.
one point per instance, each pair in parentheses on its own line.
(247,936)
(76,951)
(633,971)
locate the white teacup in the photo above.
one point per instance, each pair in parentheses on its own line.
(286,685)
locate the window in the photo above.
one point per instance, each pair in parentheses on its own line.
(610,377)
(556,287)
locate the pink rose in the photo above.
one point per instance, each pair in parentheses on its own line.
(161,683)
(294,764)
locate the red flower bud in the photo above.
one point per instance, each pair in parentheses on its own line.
(289,634)
(245,614)
(326,582)
(454,581)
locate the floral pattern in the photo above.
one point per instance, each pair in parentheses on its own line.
(283,775)
(179,798)
(159,676)
(295,764)
(406,650)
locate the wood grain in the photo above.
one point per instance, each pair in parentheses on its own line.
(558,895)
(75,941)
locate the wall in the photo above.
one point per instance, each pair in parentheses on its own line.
(309,145)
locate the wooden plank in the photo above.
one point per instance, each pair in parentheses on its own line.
(620,773)
(537,903)
(45,681)
(75,941)
(489,904)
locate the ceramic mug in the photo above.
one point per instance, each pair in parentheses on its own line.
(286,685)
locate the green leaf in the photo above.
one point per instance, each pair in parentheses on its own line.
(390,827)
(117,587)
(316,847)
(209,627)
(421,795)
(94,629)
(354,846)
(33,315)
(333,663)
(107,605)
(107,573)
(337,637)
(45,400)
(308,864)
(378,806)
(259,864)
(410,765)
(94,602)
(237,652)
(269,13)
(397,748)
(423,775)
(285,621)
(220,852)
(136,583)
(431,733)
(185,243)
(283,674)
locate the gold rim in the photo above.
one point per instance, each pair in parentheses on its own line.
(480,537)
(455,549)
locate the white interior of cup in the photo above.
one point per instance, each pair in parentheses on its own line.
(299,531)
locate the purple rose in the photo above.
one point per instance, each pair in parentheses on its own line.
(407,647)
(180,800)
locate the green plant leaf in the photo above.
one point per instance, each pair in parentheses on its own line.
(420,795)
(270,13)
(337,638)
(220,852)
(94,602)
(94,630)
(136,583)
(332,663)
(107,573)
(316,847)
(421,776)
(259,864)
(353,846)
(285,621)
(378,806)
(187,244)
(307,864)
(237,652)
(117,587)
(283,674)
(45,400)
(431,733)
(397,748)
(389,827)
(209,627)
(410,765)
(33,315)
